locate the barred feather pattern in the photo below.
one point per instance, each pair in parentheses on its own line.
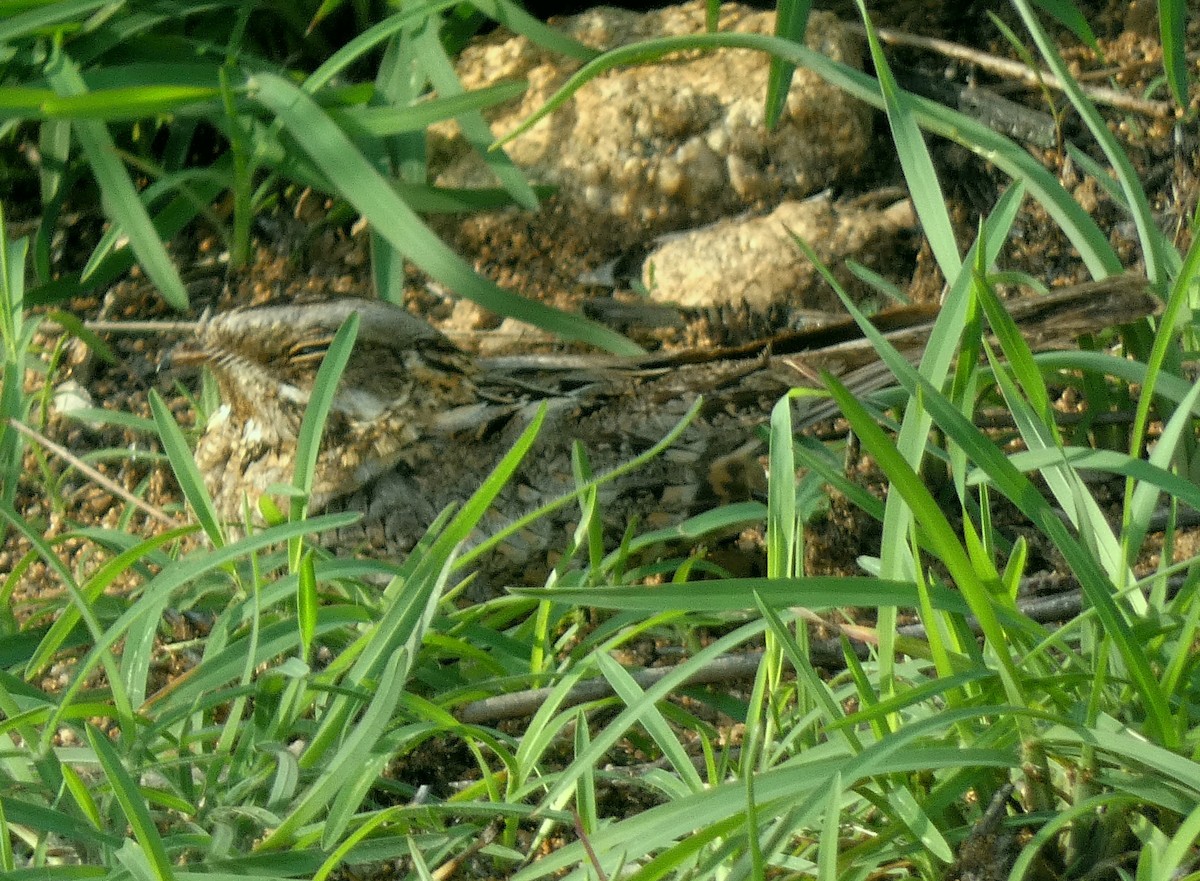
(416,424)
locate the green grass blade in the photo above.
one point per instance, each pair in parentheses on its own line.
(791,23)
(133,804)
(105,659)
(13,400)
(106,265)
(12,278)
(339,159)
(514,17)
(1096,585)
(565,499)
(7,864)
(1035,422)
(1136,523)
(175,445)
(1157,382)
(617,727)
(734,594)
(158,592)
(49,820)
(41,16)
(475,129)
(1151,474)
(653,721)
(360,742)
(1069,16)
(1064,482)
(127,104)
(781,494)
(928,514)
(312,426)
(120,196)
(386,122)
(1162,262)
(1172,25)
(1176,859)
(91,591)
(307,605)
(827,861)
(806,778)
(917,166)
(363,44)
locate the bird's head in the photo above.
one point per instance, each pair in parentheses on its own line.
(401,375)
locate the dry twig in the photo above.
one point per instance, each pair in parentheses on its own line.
(1016,70)
(94,475)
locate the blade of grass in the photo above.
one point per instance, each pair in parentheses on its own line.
(312,426)
(915,162)
(1151,474)
(1025,495)
(190,480)
(1172,25)
(733,594)
(132,803)
(905,481)
(781,494)
(341,767)
(1156,381)
(44,16)
(473,126)
(91,591)
(405,622)
(1136,521)
(499,537)
(1035,422)
(387,121)
(157,594)
(805,779)
(120,196)
(337,156)
(519,21)
(1162,262)
(653,721)
(363,44)
(896,560)
(16,338)
(791,23)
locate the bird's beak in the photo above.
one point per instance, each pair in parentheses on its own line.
(185,356)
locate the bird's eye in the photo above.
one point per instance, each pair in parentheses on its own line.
(309,351)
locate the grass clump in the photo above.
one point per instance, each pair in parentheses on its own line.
(324,722)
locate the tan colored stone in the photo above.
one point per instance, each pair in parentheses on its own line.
(754,261)
(648,149)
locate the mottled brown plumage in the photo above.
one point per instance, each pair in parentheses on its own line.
(416,424)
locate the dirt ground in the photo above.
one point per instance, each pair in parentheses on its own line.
(301,254)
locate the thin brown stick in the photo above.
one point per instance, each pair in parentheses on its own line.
(587,846)
(1022,73)
(101,326)
(731,668)
(114,488)
(1105,73)
(447,870)
(141,326)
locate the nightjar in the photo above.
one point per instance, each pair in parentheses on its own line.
(417,424)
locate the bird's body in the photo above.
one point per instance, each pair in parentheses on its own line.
(417,425)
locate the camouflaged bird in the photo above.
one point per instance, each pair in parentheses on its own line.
(416,424)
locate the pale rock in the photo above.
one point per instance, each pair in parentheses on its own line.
(754,261)
(643,150)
